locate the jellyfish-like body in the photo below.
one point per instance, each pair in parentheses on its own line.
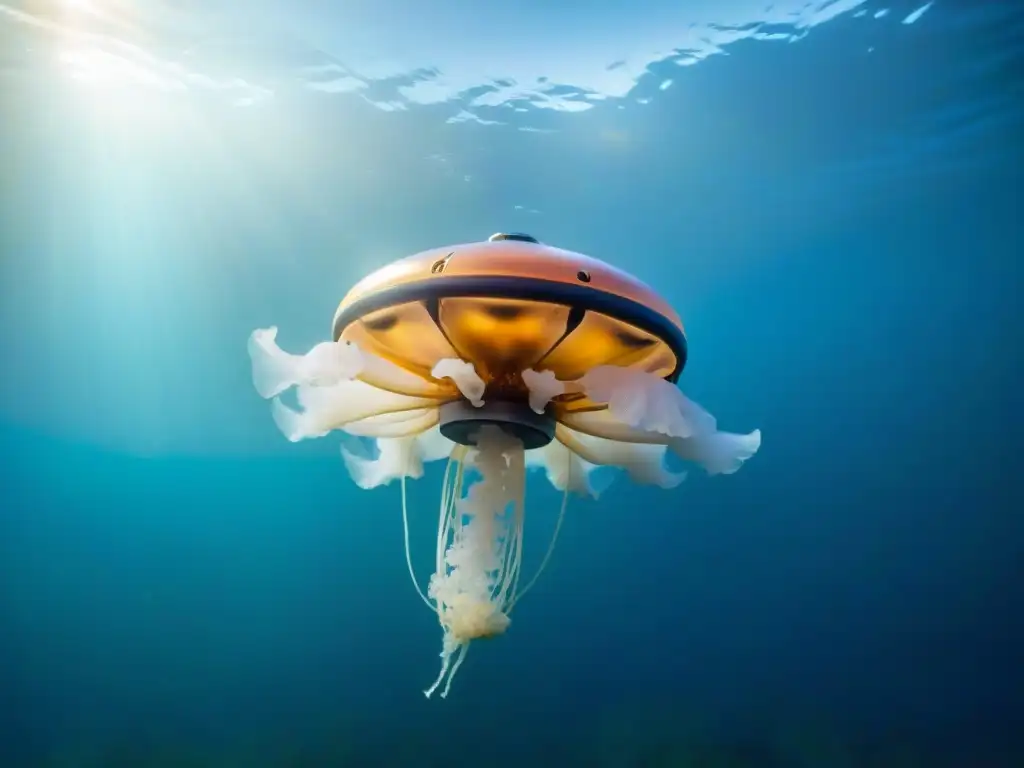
(499,356)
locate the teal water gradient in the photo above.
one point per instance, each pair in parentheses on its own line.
(835,217)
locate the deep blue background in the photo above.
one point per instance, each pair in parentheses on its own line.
(840,230)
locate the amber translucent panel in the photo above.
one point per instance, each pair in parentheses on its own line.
(407,336)
(602,340)
(566,404)
(501,336)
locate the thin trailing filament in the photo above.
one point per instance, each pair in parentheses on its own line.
(554,537)
(408,554)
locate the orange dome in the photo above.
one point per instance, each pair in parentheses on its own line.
(511,304)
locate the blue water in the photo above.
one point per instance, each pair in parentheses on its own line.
(829,193)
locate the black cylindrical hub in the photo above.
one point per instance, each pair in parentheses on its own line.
(461,421)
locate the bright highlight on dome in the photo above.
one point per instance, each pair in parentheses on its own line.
(498,356)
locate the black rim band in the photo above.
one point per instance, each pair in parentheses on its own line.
(581,297)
